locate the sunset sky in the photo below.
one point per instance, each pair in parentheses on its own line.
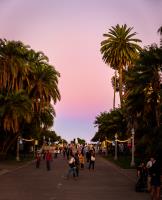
(69,32)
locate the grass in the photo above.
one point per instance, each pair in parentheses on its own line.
(123,161)
(11,160)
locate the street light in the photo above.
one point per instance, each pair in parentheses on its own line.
(49,141)
(116,147)
(132,161)
(18,149)
(44,139)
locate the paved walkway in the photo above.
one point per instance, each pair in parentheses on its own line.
(107,181)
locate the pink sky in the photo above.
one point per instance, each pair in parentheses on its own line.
(69,32)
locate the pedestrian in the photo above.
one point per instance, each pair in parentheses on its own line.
(88,155)
(92,160)
(77,163)
(38,159)
(71,165)
(48,158)
(56,152)
(148,166)
(81,160)
(141,185)
(155,179)
(68,153)
(64,151)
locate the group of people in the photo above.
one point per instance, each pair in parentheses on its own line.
(47,156)
(75,157)
(77,161)
(149,175)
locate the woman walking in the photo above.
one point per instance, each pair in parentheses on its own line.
(92,160)
(72,167)
(48,158)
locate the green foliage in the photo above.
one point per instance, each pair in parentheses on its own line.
(110,123)
(143,99)
(120,50)
(139,72)
(160,32)
(28,86)
(50,134)
(81,141)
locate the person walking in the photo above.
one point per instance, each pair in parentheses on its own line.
(81,160)
(72,168)
(155,180)
(77,163)
(48,158)
(38,159)
(148,166)
(141,185)
(88,155)
(92,160)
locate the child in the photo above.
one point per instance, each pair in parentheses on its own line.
(81,160)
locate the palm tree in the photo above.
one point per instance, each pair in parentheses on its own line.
(160,32)
(119,50)
(13,65)
(47,116)
(24,71)
(115,82)
(110,123)
(143,95)
(15,109)
(43,82)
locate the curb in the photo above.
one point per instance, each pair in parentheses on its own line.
(5,171)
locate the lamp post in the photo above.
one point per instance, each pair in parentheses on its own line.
(116,147)
(35,147)
(44,139)
(18,149)
(106,146)
(132,161)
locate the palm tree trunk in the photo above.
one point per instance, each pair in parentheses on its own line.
(160,32)
(11,143)
(121,86)
(114,91)
(8,143)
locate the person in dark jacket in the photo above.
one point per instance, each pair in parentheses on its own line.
(155,171)
(48,158)
(142,173)
(38,159)
(77,163)
(92,160)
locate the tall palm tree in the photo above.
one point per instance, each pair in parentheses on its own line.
(115,82)
(13,65)
(43,82)
(22,70)
(15,109)
(143,95)
(119,50)
(160,32)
